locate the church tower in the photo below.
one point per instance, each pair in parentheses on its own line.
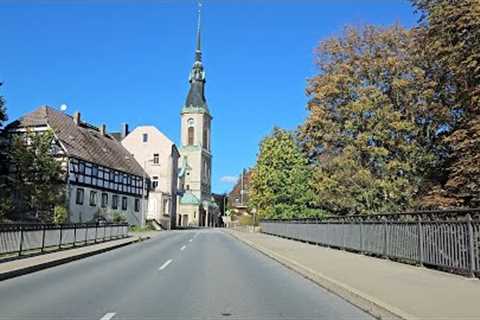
(196,206)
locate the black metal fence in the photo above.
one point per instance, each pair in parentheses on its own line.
(448,239)
(18,238)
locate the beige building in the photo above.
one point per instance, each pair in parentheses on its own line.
(196,205)
(158,156)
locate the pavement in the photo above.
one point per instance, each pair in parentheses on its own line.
(384,288)
(28,264)
(191,274)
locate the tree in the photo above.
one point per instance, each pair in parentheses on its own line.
(371,132)
(3,111)
(5,194)
(39,177)
(451,37)
(280,184)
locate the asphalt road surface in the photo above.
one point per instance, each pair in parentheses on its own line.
(192,274)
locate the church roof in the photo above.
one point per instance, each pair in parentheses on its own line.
(196,94)
(82,141)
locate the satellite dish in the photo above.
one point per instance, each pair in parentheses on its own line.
(63,107)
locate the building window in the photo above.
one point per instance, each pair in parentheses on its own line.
(94,171)
(188,187)
(137,205)
(93,198)
(191,135)
(114,202)
(165,207)
(156,159)
(155,183)
(104,200)
(145,137)
(79,198)
(124,203)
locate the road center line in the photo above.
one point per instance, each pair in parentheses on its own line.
(165,265)
(183,248)
(108,316)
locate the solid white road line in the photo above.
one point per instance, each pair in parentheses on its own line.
(183,248)
(165,265)
(108,316)
(190,240)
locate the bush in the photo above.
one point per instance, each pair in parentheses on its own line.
(118,217)
(60,214)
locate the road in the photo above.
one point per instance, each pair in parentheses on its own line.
(192,274)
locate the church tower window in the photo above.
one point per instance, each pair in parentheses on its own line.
(190,132)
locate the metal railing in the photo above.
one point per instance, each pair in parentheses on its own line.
(448,239)
(18,238)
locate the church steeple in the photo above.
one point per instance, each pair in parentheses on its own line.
(196,94)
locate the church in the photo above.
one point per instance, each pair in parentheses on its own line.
(196,206)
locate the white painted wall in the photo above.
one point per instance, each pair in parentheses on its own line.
(166,170)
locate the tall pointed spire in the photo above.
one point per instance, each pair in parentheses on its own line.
(198,50)
(196,94)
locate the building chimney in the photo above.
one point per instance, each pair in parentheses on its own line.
(124,130)
(103,129)
(76,118)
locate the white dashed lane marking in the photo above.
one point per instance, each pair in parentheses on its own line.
(108,316)
(183,248)
(165,265)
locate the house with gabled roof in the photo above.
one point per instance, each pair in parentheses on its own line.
(102,177)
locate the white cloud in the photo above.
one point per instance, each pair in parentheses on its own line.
(229,179)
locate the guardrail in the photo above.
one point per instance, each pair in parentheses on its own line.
(18,238)
(448,239)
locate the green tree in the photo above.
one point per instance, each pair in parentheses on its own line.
(371,132)
(6,203)
(451,38)
(39,177)
(280,184)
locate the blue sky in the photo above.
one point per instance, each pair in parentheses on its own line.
(125,61)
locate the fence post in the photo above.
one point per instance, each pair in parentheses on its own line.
(385,227)
(96,230)
(43,238)
(21,242)
(86,234)
(60,242)
(361,237)
(471,253)
(74,234)
(420,240)
(104,232)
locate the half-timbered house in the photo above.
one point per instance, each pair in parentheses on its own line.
(102,178)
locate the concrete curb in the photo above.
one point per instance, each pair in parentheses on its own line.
(53,263)
(369,304)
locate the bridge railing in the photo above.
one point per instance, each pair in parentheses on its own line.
(19,238)
(447,239)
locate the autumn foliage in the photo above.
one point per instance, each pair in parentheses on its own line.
(393,117)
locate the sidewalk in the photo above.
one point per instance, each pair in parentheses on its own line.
(22,266)
(386,289)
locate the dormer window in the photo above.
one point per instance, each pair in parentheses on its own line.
(145,137)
